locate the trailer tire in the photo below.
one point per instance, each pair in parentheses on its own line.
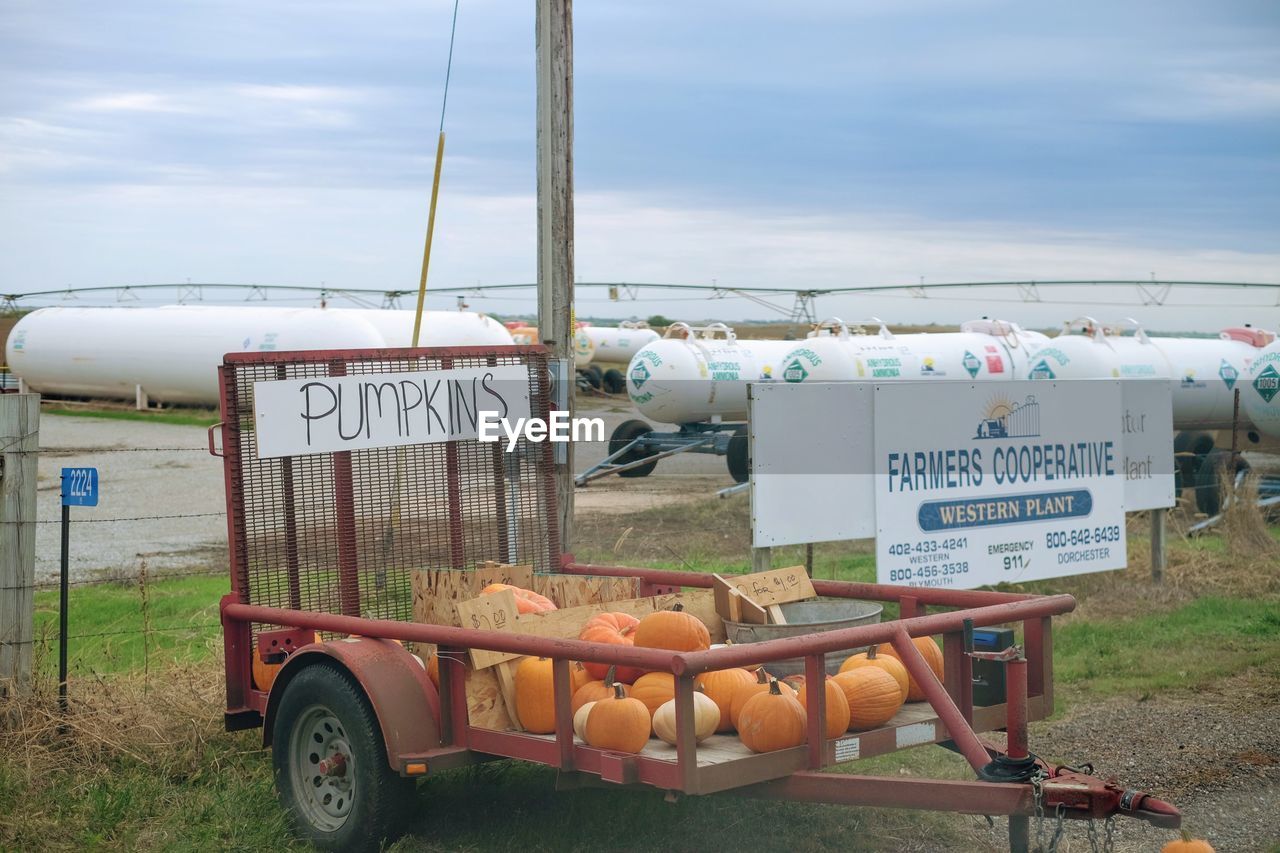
(738,457)
(614,381)
(1208,480)
(594,376)
(324,712)
(625,433)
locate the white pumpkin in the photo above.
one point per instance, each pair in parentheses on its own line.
(580,721)
(706,716)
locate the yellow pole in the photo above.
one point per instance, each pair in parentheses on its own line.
(426,250)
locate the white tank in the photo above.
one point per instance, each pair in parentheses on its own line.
(439,328)
(697,373)
(1260,394)
(173,352)
(604,344)
(1205,371)
(982,350)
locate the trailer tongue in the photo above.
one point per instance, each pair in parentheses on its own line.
(349,543)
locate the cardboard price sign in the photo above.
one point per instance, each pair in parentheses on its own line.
(493,612)
(776,586)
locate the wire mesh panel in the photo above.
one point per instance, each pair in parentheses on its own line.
(341,532)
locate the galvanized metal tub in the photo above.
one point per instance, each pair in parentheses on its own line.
(808,617)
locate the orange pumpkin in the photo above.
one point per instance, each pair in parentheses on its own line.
(536,695)
(1187,844)
(593,691)
(932,655)
(619,723)
(741,695)
(433,670)
(578,676)
(771,720)
(720,686)
(837,706)
(527,601)
(873,696)
(654,688)
(891,665)
(264,674)
(673,630)
(617,629)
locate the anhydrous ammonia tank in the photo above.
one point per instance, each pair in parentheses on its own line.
(439,328)
(608,345)
(696,373)
(1204,371)
(1260,396)
(982,350)
(173,352)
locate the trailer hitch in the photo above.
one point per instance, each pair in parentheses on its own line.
(1086,797)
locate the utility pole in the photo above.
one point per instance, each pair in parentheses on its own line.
(554,36)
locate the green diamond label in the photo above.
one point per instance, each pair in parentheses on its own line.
(639,375)
(1229,374)
(795,372)
(1267,383)
(971,364)
(1042,371)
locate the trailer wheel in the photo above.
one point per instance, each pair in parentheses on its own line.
(331,764)
(594,376)
(614,381)
(626,432)
(738,457)
(1209,480)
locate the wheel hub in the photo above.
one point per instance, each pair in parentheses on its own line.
(322,767)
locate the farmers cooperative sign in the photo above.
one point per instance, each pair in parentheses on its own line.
(978,484)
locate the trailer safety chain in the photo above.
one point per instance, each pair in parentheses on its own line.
(1037,798)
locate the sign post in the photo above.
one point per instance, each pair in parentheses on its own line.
(79,488)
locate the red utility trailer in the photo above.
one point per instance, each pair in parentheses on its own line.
(323,550)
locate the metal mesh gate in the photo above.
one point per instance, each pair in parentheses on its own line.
(341,532)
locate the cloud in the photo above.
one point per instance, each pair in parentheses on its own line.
(143,102)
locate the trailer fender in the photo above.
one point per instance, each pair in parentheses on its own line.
(402,696)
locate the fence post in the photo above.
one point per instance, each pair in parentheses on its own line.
(19,441)
(1157,544)
(761,559)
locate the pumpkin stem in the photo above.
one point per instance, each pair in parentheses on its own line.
(617,691)
(762,677)
(610,675)
(773,687)
(871,653)
(677,607)
(1186,836)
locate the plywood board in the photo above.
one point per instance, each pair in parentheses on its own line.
(493,612)
(776,586)
(565,624)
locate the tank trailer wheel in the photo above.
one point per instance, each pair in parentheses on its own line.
(738,457)
(1209,478)
(594,376)
(624,434)
(331,765)
(614,381)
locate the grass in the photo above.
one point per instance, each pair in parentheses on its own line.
(179,417)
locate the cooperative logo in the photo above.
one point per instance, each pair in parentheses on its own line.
(971,364)
(1267,383)
(1006,419)
(794,372)
(639,375)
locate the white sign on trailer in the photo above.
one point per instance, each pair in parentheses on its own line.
(323,414)
(1015,483)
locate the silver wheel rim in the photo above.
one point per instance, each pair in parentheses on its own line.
(324,798)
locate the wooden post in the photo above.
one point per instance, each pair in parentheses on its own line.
(554,36)
(761,559)
(1157,545)
(19,441)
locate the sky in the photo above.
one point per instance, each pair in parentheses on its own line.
(804,144)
